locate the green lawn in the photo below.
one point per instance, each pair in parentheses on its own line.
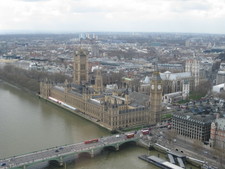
(183,101)
(195,96)
(192,96)
(166,116)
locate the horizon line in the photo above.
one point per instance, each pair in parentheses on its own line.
(11,32)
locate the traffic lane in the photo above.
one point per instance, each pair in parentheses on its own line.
(29,158)
(202,152)
(121,137)
(180,145)
(205,156)
(39,156)
(48,153)
(32,157)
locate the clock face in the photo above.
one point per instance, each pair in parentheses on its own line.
(152,87)
(159,87)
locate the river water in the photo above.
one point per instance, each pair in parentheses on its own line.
(28,124)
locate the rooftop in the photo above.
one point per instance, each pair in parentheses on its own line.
(195,118)
(220,123)
(174,76)
(204,111)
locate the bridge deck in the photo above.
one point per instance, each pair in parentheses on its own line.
(61,151)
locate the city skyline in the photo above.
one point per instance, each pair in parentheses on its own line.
(69,16)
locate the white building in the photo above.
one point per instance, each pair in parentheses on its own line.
(218,88)
(172,97)
(176,82)
(220,78)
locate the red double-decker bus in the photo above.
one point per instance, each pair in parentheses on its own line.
(145,132)
(91,141)
(130,135)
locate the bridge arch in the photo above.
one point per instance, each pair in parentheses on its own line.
(127,144)
(110,148)
(85,155)
(56,163)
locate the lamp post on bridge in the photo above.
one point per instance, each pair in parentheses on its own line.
(92,153)
(65,165)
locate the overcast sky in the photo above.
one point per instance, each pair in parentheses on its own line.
(194,16)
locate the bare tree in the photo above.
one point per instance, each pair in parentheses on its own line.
(220,95)
(197,144)
(171,135)
(203,88)
(28,79)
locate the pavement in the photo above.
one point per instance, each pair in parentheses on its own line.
(65,150)
(186,146)
(183,145)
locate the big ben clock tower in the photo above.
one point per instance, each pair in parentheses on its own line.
(155,98)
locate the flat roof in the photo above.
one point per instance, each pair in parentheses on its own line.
(170,165)
(163,162)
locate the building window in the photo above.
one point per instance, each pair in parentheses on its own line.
(82,67)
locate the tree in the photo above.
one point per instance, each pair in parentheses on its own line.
(220,95)
(29,79)
(201,90)
(197,144)
(171,135)
(216,66)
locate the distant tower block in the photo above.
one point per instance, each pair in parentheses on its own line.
(95,51)
(80,67)
(155,98)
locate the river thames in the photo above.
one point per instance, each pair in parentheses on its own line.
(29,124)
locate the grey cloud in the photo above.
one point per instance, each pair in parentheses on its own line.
(89,10)
(198,6)
(187,5)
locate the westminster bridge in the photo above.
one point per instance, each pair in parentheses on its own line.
(58,154)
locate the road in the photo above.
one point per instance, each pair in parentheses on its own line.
(57,152)
(186,146)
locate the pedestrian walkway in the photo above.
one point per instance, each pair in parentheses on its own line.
(58,153)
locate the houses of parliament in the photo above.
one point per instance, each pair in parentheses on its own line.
(112,109)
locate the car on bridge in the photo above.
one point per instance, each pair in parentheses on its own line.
(2,164)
